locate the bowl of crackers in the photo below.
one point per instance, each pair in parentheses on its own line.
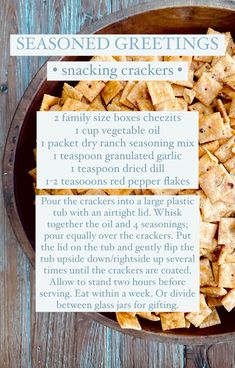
(210,90)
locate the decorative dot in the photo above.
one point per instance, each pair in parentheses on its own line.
(54,69)
(180,69)
(3,88)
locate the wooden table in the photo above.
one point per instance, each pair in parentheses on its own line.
(68,340)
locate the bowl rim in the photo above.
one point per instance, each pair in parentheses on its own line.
(11,143)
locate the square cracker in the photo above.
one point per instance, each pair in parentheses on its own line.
(211,320)
(228,300)
(227,275)
(206,274)
(224,67)
(139,91)
(205,67)
(226,150)
(97,105)
(127,89)
(172,320)
(216,183)
(90,89)
(128,320)
(196,318)
(211,127)
(48,101)
(111,89)
(227,231)
(160,91)
(70,91)
(207,232)
(207,88)
(206,162)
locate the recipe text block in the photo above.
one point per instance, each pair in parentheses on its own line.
(117,149)
(119,253)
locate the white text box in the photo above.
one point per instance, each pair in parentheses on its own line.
(117,253)
(78,70)
(117,149)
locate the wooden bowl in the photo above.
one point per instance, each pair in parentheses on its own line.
(156,17)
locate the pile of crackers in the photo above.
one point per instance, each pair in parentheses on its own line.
(210,90)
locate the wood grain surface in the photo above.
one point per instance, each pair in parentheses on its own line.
(64,340)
